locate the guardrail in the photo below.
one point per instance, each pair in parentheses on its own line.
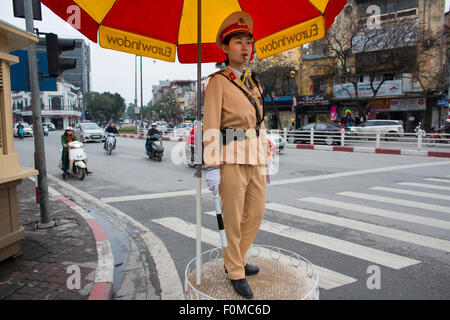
(417,141)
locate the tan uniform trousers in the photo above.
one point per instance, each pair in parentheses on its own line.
(243,193)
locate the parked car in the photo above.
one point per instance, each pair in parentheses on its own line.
(27,129)
(389,129)
(278,141)
(327,132)
(89,131)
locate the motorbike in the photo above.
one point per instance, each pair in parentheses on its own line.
(110,143)
(20,133)
(437,136)
(77,161)
(45,130)
(154,147)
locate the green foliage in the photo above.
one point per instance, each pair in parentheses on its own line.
(105,106)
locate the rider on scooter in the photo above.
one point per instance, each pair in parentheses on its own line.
(151,132)
(67,137)
(110,129)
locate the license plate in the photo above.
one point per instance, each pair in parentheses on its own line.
(95,137)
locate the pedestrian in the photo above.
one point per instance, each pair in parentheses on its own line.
(233,123)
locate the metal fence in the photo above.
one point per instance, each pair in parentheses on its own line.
(418,141)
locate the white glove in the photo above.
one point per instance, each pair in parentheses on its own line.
(269,172)
(213,179)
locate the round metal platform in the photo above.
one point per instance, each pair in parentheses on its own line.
(283,275)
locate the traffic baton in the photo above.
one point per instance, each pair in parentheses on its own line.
(218,205)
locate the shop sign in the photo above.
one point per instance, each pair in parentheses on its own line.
(387,88)
(312,100)
(411,104)
(379,105)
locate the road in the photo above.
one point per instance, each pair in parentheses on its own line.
(347,213)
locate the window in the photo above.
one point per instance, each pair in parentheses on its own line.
(309,126)
(321,127)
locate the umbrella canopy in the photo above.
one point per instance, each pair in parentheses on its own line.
(162,29)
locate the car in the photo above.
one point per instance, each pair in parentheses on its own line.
(27,130)
(389,129)
(89,131)
(161,125)
(327,132)
(49,125)
(278,141)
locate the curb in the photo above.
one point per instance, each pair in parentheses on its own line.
(104,273)
(143,137)
(405,152)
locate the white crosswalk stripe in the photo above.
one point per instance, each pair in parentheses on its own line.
(437,180)
(328,279)
(363,226)
(424,185)
(396,201)
(414,193)
(437,223)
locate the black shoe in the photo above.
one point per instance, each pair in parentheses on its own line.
(249,270)
(242,288)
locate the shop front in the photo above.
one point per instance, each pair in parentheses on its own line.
(410,111)
(315,109)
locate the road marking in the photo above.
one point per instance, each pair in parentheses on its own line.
(192,192)
(413,193)
(153,196)
(380,212)
(363,226)
(437,180)
(171,287)
(345,247)
(357,172)
(129,157)
(424,185)
(328,279)
(396,201)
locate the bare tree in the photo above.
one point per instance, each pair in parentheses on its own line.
(382,52)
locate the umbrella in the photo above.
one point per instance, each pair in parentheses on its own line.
(188,28)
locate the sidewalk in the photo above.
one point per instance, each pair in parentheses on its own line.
(41,271)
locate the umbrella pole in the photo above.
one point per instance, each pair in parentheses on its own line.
(198,142)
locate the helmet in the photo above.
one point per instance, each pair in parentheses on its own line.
(154,124)
(69,128)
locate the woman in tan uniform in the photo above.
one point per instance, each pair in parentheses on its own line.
(235,148)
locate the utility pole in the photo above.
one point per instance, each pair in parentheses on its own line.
(37,123)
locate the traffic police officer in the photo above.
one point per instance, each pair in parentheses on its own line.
(236,154)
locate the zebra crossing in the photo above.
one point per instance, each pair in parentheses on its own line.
(430,189)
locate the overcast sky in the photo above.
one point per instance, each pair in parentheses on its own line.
(112,70)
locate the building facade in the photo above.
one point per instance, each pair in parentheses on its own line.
(62,107)
(382,64)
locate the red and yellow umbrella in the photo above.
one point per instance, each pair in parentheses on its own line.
(162,29)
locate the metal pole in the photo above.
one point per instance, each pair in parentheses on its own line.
(37,122)
(198,132)
(142,102)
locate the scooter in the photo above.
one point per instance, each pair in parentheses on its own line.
(77,161)
(154,148)
(45,129)
(20,133)
(110,143)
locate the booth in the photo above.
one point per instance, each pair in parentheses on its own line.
(11,173)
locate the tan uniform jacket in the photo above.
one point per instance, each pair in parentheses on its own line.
(226,106)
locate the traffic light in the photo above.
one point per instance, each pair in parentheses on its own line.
(55,46)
